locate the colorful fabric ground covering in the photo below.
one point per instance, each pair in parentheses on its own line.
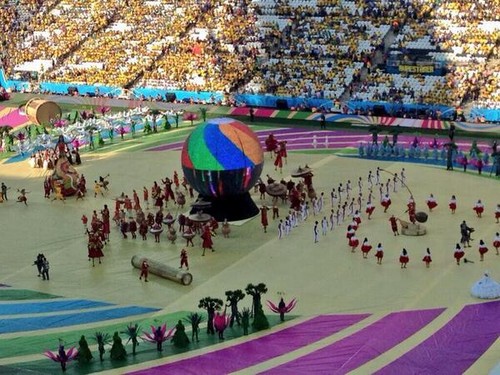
(12,117)
(363,346)
(8,308)
(64,320)
(11,294)
(456,346)
(252,352)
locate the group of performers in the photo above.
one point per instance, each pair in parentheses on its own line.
(277,149)
(98,233)
(349,207)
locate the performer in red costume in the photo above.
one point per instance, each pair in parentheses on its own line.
(453,204)
(207,239)
(369,209)
(431,202)
(496,242)
(386,202)
(483,249)
(263,217)
(404,258)
(394,225)
(427,258)
(479,208)
(106,227)
(144,270)
(278,162)
(365,248)
(458,253)
(271,144)
(353,243)
(380,253)
(184,259)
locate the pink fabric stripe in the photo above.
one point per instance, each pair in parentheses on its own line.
(363,346)
(455,347)
(13,119)
(252,352)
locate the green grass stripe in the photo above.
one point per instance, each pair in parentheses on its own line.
(7,294)
(38,343)
(300,115)
(145,352)
(281,114)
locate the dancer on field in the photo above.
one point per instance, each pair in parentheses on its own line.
(458,253)
(404,258)
(483,249)
(365,248)
(453,204)
(379,254)
(427,258)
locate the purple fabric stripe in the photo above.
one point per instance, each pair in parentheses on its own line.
(252,352)
(333,136)
(455,347)
(363,346)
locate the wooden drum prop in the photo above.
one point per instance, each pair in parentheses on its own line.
(42,112)
(162,270)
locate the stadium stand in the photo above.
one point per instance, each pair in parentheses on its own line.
(398,51)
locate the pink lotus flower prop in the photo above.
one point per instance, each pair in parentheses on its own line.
(285,309)
(161,336)
(221,321)
(189,116)
(103,110)
(70,355)
(59,123)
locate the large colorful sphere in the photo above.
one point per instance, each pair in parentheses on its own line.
(222,157)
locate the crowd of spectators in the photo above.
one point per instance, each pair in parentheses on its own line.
(299,48)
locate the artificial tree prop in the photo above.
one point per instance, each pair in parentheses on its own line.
(259,319)
(210,304)
(233,297)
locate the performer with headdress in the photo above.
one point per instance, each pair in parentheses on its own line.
(497,213)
